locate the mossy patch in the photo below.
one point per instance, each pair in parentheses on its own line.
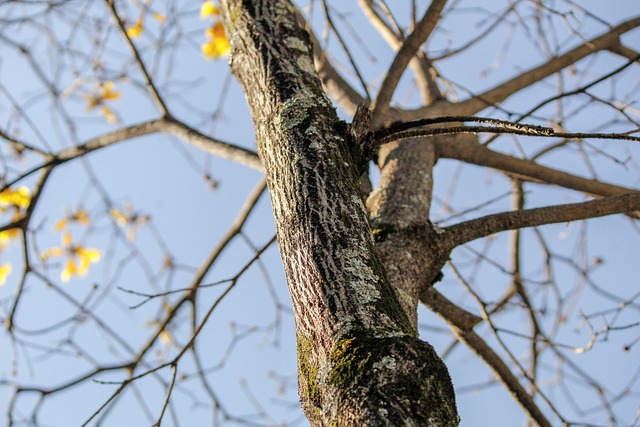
(376,369)
(349,358)
(308,371)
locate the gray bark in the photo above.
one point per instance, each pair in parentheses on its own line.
(360,362)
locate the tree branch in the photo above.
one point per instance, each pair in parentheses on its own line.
(410,46)
(461,323)
(420,64)
(333,83)
(151,87)
(527,170)
(505,90)
(218,148)
(624,51)
(487,225)
(345,48)
(210,145)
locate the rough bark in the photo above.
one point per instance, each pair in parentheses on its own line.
(360,361)
(399,209)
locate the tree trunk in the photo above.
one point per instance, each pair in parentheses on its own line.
(360,362)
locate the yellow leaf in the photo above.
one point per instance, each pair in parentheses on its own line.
(69,270)
(60,224)
(79,215)
(51,252)
(165,337)
(208,8)
(129,218)
(88,255)
(135,30)
(215,49)
(159,17)
(218,31)
(105,92)
(121,218)
(108,115)
(7,235)
(108,90)
(82,216)
(5,270)
(85,257)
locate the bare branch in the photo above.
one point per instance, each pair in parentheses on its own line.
(344,46)
(335,85)
(210,145)
(393,131)
(461,323)
(583,89)
(174,373)
(503,91)
(151,87)
(221,149)
(410,46)
(485,226)
(108,139)
(625,51)
(420,64)
(477,154)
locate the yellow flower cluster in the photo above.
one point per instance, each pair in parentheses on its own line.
(15,201)
(79,258)
(5,270)
(20,198)
(209,8)
(79,216)
(129,219)
(104,92)
(217,44)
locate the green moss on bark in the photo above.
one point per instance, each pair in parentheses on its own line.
(308,372)
(393,377)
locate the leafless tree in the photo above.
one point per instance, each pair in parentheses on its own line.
(435,170)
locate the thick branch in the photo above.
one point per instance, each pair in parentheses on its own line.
(396,214)
(624,51)
(218,148)
(505,90)
(210,145)
(527,170)
(420,64)
(485,226)
(410,46)
(334,84)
